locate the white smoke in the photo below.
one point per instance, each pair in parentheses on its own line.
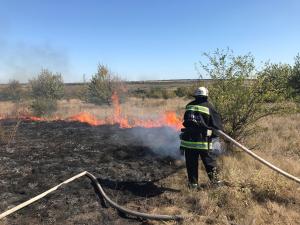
(163,141)
(22,60)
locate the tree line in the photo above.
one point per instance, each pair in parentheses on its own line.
(240,91)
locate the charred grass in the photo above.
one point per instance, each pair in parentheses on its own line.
(46,153)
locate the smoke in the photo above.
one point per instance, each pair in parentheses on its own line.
(22,60)
(163,141)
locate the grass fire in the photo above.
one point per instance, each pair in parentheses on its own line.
(129,112)
(137,160)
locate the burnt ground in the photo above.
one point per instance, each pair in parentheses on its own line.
(44,154)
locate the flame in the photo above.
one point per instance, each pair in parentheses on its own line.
(85,117)
(172,120)
(168,118)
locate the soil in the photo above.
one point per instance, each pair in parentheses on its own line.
(43,154)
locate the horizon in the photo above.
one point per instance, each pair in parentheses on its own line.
(140,40)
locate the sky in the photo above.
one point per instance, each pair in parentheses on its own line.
(140,39)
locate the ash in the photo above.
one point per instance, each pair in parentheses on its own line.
(44,154)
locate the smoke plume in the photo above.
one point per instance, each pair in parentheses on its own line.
(163,141)
(22,60)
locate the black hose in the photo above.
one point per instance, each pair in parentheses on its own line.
(103,194)
(128,211)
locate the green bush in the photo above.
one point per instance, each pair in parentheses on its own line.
(46,89)
(158,92)
(294,81)
(43,106)
(102,86)
(47,85)
(184,91)
(139,93)
(275,81)
(13,91)
(238,92)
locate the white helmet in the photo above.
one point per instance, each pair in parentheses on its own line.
(201,91)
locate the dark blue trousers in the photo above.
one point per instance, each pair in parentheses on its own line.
(192,159)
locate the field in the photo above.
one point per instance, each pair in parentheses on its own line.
(140,168)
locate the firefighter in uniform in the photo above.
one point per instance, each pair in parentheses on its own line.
(196,137)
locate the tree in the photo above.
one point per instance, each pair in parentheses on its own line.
(275,79)
(102,86)
(237,91)
(46,89)
(47,85)
(294,80)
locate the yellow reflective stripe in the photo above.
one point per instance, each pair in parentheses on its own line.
(198,108)
(195,145)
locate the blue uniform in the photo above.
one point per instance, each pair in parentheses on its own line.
(196,138)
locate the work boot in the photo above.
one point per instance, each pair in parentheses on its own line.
(193,186)
(217,183)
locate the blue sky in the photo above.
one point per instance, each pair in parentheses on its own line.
(139,39)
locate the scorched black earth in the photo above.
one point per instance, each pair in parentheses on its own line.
(44,154)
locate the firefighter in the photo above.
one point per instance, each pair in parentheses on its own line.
(196,137)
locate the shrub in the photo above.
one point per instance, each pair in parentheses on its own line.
(43,106)
(46,89)
(238,94)
(13,92)
(139,93)
(47,85)
(102,86)
(294,81)
(158,92)
(183,91)
(275,81)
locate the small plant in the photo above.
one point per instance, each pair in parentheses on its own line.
(102,86)
(46,89)
(13,91)
(43,106)
(183,91)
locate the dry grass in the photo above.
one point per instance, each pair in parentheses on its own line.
(148,108)
(132,108)
(256,195)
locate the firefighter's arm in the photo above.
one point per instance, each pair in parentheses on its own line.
(216,121)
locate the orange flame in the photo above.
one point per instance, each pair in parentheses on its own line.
(168,118)
(85,117)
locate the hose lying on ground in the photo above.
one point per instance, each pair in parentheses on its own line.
(260,159)
(139,214)
(282,172)
(103,194)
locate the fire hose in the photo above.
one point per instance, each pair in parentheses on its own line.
(103,194)
(139,214)
(260,159)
